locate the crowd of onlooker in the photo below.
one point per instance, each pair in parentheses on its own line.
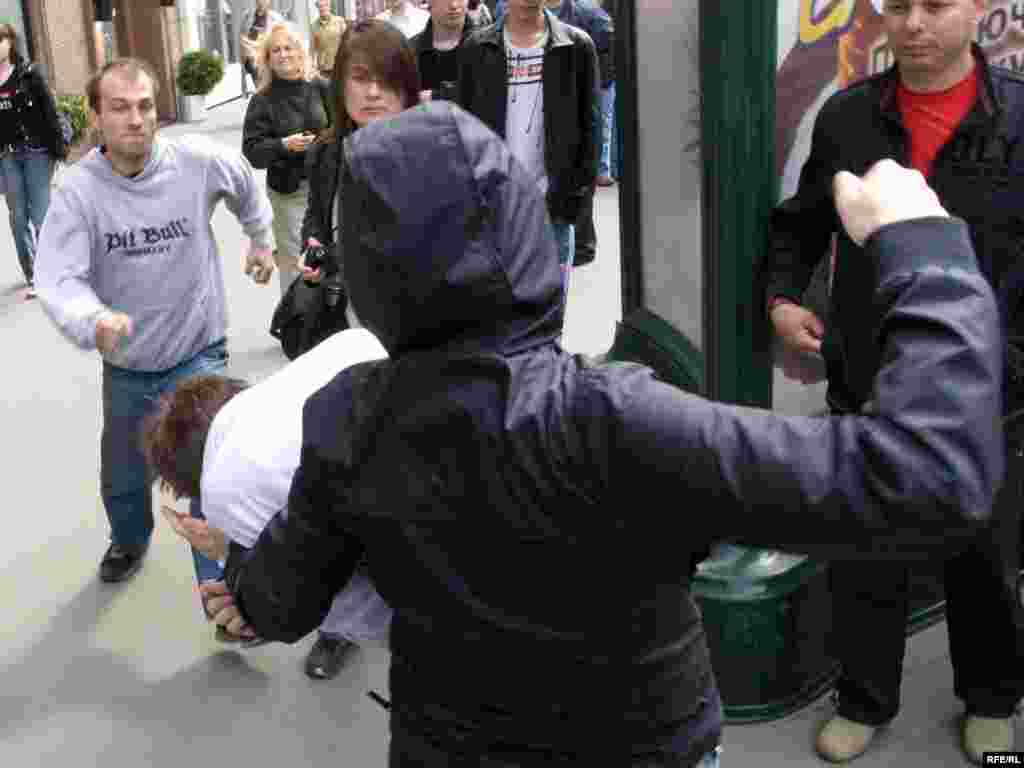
(502,74)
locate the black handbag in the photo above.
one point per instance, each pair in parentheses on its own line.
(307,314)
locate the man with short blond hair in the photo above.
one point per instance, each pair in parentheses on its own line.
(128,266)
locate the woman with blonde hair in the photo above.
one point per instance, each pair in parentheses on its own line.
(284,116)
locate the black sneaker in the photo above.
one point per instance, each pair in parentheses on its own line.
(120,563)
(326,655)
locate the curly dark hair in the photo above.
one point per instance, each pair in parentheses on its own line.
(174,435)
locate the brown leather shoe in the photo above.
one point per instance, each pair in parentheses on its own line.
(841,740)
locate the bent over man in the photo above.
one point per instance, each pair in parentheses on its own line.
(236,448)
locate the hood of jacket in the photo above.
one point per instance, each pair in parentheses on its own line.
(447,241)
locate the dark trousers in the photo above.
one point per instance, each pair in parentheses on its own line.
(983,619)
(586,235)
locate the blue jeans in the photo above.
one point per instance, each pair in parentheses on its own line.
(125,479)
(28,177)
(606,165)
(565,236)
(712,759)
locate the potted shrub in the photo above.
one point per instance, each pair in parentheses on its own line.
(198,73)
(75,111)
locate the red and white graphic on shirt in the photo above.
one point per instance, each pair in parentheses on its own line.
(525,69)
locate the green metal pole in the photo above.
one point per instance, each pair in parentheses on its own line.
(738,53)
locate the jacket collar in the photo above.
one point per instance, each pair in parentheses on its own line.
(558,33)
(989,99)
(424,41)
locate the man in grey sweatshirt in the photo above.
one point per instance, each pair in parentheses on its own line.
(127,264)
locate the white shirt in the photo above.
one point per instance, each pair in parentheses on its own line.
(257,435)
(524,115)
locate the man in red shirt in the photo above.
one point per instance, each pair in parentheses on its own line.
(943,110)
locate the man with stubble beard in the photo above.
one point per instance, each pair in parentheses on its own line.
(128,266)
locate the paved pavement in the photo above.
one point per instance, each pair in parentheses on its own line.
(92,675)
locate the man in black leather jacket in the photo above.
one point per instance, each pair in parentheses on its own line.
(978,173)
(492,479)
(559,142)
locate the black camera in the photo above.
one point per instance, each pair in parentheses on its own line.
(315,256)
(334,292)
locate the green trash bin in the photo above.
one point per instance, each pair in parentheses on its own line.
(767,617)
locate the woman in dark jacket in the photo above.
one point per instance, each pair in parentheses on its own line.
(31,142)
(376,67)
(282,121)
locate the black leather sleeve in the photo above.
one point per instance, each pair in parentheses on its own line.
(802,226)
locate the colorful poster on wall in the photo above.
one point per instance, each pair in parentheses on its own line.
(825,45)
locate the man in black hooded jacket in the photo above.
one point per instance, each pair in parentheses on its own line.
(491,479)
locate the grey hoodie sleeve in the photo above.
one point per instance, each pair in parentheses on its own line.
(913,475)
(232,179)
(63,269)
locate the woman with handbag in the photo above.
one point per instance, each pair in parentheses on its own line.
(282,120)
(377,74)
(31,141)
(378,77)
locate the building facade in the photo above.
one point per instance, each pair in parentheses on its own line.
(71,39)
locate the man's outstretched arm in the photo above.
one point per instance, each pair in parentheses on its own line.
(911,476)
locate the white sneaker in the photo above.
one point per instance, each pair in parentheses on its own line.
(841,740)
(986,734)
